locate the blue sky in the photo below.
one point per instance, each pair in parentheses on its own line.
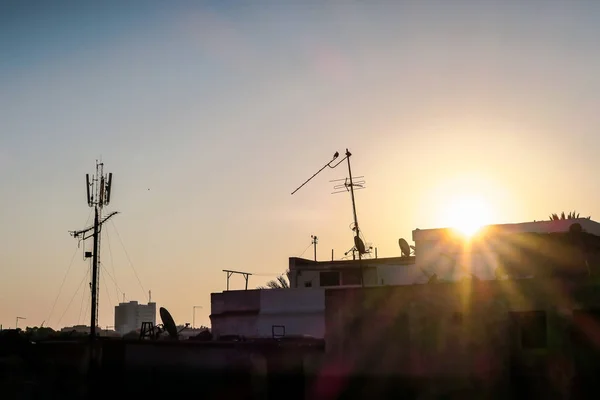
(222,108)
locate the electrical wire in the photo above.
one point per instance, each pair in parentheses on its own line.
(71,301)
(128,258)
(112,265)
(107,291)
(117,289)
(307,247)
(88,302)
(83,297)
(61,286)
(66,274)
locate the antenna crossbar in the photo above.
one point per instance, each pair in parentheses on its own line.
(244,274)
(349,185)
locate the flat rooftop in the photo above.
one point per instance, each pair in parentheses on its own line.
(305,264)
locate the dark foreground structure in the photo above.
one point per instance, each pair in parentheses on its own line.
(485,340)
(500,339)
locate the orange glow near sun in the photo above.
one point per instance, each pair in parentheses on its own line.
(468,214)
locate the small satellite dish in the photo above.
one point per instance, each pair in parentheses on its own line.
(360,246)
(168,322)
(404,247)
(575,228)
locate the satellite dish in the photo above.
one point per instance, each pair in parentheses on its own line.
(575,228)
(404,247)
(360,246)
(168,322)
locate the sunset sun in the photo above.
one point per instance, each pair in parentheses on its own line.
(468,214)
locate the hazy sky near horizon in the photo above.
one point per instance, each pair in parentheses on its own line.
(210,113)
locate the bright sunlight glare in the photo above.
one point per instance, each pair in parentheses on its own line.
(468,214)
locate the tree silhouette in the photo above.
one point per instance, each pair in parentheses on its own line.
(282,282)
(570,215)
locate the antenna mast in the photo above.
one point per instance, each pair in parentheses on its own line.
(98,195)
(315,240)
(348,184)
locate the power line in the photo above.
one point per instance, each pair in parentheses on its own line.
(267,273)
(83,298)
(61,285)
(307,247)
(112,265)
(129,259)
(107,291)
(71,301)
(117,289)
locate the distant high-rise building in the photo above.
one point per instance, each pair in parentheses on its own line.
(129,316)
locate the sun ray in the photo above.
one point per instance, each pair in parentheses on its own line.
(467,214)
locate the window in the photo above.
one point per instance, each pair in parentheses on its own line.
(308,284)
(351,277)
(329,278)
(532,329)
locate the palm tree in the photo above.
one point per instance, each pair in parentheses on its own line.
(282,282)
(571,215)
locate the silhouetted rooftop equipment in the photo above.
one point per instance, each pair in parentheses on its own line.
(244,274)
(168,322)
(349,185)
(404,247)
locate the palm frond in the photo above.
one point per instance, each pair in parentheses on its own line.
(281,282)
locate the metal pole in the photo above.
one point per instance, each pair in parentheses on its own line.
(348,154)
(94,277)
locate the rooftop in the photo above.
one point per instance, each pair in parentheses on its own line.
(302,263)
(557,226)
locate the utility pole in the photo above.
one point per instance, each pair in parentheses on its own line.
(351,184)
(315,240)
(347,185)
(98,195)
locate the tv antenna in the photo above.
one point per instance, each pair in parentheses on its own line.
(314,242)
(98,195)
(348,185)
(244,274)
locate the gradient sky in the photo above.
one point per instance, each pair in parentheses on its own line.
(210,113)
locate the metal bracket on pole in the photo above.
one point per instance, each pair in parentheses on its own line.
(244,274)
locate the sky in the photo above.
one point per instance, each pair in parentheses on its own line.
(209,114)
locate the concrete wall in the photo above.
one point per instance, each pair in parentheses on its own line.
(453,259)
(235,313)
(463,332)
(452,256)
(313,277)
(400,275)
(301,311)
(253,313)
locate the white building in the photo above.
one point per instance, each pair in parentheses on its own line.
(451,256)
(129,316)
(267,313)
(300,310)
(376,272)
